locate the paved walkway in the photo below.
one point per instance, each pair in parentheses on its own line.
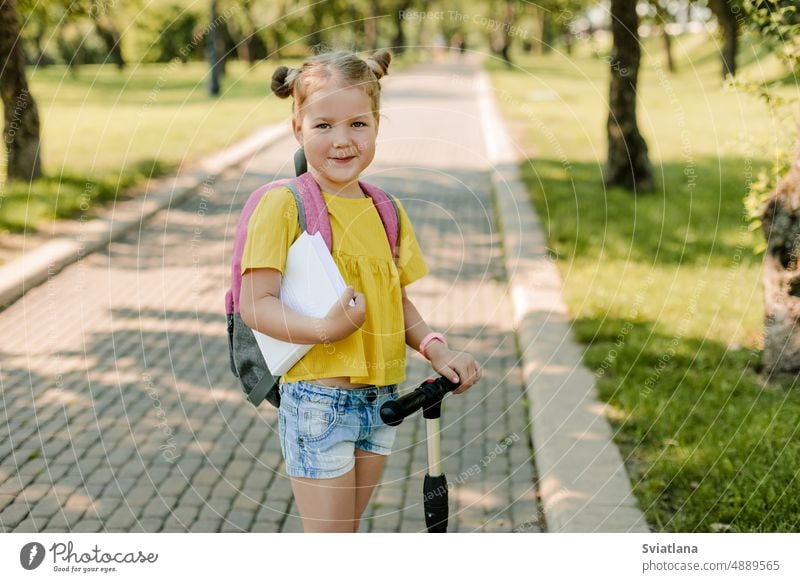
(123,415)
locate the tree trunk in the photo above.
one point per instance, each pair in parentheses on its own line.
(315,41)
(726,17)
(628,162)
(508,22)
(668,49)
(370,26)
(399,41)
(781,223)
(108,33)
(21,129)
(112,41)
(547,33)
(211,50)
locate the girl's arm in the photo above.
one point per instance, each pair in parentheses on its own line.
(263,311)
(457,366)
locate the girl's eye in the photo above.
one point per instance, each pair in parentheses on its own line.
(319,125)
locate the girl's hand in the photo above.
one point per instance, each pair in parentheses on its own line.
(455,366)
(343,318)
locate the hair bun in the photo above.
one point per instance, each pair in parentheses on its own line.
(280,86)
(379,62)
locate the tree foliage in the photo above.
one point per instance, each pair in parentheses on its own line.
(777,21)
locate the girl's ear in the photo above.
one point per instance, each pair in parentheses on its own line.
(297,128)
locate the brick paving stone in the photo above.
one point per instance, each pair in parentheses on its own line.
(238,469)
(195,495)
(215,508)
(280,490)
(147,525)
(65,518)
(206,476)
(157,474)
(259,479)
(12,486)
(103,476)
(122,518)
(159,506)
(265,527)
(226,490)
(238,521)
(140,495)
(31,525)
(248,503)
(5,501)
(46,507)
(293,523)
(12,515)
(88,526)
(119,487)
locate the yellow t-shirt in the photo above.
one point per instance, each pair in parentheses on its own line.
(375,353)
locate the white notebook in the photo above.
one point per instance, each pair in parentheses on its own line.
(311,285)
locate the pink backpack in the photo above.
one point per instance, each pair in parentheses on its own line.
(246,360)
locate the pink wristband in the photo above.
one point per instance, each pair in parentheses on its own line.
(428,339)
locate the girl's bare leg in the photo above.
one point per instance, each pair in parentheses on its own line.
(369,467)
(336,505)
(326,505)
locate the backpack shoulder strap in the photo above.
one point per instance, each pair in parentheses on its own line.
(387,209)
(311,209)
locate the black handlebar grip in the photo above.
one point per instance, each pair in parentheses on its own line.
(429,392)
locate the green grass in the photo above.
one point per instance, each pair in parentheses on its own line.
(665,289)
(104,131)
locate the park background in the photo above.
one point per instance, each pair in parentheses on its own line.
(663,271)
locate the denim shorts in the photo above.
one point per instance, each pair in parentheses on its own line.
(321,426)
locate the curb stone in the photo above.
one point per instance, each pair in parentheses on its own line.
(583,483)
(35,267)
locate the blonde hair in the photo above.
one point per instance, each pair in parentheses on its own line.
(342,66)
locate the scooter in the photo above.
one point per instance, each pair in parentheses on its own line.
(428,396)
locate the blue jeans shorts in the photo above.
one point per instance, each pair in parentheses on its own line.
(321,426)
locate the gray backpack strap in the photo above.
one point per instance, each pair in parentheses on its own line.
(301,210)
(260,390)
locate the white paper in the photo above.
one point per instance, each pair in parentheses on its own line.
(311,285)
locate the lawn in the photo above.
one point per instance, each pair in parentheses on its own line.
(664,289)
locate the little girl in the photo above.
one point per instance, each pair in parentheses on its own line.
(332,438)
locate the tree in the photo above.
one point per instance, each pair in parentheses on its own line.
(726,13)
(777,208)
(100,12)
(661,12)
(244,31)
(399,42)
(21,129)
(504,34)
(628,161)
(211,48)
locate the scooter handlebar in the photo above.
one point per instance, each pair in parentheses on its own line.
(429,392)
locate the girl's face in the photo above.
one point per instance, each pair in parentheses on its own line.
(338,134)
